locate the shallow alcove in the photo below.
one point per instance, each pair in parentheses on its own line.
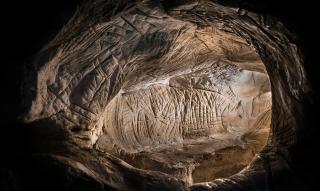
(200,112)
(180,88)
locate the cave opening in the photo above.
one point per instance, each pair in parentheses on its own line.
(204,93)
(198,118)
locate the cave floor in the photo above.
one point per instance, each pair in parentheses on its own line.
(202,160)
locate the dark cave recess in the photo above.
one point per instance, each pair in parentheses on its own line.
(298,18)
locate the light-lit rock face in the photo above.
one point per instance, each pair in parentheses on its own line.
(148,119)
(159,89)
(76,85)
(177,121)
(170,89)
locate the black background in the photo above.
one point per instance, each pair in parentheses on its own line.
(28,25)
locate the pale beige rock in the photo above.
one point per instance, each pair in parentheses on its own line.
(157,88)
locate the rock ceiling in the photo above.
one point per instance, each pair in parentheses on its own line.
(165,91)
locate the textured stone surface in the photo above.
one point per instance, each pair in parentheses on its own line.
(116,81)
(78,82)
(147,82)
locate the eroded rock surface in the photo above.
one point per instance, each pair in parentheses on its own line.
(176,91)
(147,82)
(125,55)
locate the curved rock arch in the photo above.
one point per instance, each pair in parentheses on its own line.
(290,88)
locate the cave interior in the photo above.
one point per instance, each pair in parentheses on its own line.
(160,95)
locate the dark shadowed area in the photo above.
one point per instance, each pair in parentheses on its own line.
(60,133)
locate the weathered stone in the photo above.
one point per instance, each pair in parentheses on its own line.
(173,89)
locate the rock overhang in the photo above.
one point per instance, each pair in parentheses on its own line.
(258,34)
